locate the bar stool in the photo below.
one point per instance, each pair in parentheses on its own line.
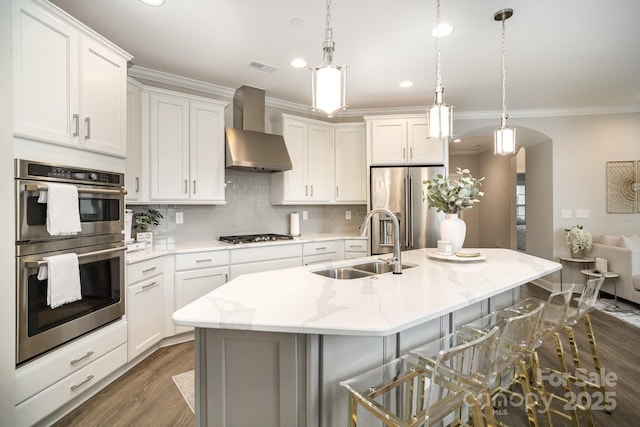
(516,343)
(405,392)
(578,377)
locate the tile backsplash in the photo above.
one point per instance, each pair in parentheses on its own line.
(249,211)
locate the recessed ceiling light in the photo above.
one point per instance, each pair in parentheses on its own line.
(296,21)
(153,2)
(405,83)
(442,30)
(298,63)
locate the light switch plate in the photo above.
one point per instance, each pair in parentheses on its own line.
(179,218)
(582,213)
(347,214)
(566,213)
(305,215)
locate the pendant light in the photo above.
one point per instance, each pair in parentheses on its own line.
(328,81)
(505,137)
(440,115)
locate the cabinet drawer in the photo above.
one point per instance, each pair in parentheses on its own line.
(45,371)
(204,259)
(317,248)
(354,255)
(144,269)
(69,388)
(265,253)
(258,267)
(355,245)
(319,259)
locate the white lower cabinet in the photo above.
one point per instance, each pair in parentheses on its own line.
(264,258)
(355,248)
(197,274)
(145,289)
(320,252)
(55,380)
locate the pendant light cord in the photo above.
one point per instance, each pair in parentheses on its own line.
(328,33)
(504,72)
(438,74)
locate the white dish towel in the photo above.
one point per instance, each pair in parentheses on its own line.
(63,279)
(63,214)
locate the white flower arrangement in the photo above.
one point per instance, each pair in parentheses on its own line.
(578,238)
(453,197)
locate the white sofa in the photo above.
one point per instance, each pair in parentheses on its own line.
(623,257)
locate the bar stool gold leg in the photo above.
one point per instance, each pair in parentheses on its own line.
(579,377)
(353,412)
(564,371)
(523,378)
(596,362)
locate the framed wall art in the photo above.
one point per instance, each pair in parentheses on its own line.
(622,187)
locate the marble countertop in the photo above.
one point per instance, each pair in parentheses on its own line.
(212,245)
(296,300)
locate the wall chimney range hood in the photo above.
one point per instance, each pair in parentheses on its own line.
(248,147)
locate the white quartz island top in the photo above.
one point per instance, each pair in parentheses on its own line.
(296,300)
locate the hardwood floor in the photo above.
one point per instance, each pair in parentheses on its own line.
(147,396)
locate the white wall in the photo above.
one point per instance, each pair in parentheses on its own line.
(7,239)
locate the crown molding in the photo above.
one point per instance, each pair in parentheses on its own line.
(225,92)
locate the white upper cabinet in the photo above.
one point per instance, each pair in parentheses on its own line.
(402,140)
(133,173)
(69,83)
(350,164)
(310,146)
(186,148)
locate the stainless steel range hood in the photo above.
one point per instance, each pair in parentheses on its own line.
(248,146)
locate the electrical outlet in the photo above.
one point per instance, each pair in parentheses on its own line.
(566,213)
(305,215)
(582,213)
(347,214)
(179,218)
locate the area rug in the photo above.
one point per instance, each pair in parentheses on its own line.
(627,312)
(185,383)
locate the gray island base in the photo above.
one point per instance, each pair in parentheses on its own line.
(272,347)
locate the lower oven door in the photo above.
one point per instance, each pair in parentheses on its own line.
(101,210)
(41,328)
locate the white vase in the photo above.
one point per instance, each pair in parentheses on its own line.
(454,229)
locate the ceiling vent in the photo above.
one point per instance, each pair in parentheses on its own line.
(260,66)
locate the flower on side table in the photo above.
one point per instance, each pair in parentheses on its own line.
(452,197)
(578,239)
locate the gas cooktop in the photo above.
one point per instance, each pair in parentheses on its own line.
(251,238)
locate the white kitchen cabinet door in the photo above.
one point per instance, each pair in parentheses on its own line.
(310,147)
(206,151)
(403,140)
(423,150)
(104,104)
(46,76)
(350,164)
(169,147)
(70,87)
(133,168)
(193,284)
(388,141)
(144,315)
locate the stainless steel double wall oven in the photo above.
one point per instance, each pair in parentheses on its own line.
(99,246)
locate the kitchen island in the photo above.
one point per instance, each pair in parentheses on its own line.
(272,347)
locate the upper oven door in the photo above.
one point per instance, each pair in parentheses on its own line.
(101,210)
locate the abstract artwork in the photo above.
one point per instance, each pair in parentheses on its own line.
(622,187)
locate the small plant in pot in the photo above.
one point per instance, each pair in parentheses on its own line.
(143,220)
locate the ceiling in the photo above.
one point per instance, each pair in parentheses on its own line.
(560,54)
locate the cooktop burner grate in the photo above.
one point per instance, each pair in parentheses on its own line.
(251,238)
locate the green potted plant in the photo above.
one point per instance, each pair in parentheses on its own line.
(453,197)
(143,220)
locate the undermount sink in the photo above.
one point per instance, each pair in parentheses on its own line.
(379,267)
(342,273)
(360,270)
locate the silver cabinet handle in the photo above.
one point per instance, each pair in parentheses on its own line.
(149,269)
(226,277)
(137,184)
(321,248)
(409,214)
(337,191)
(311,190)
(80,359)
(149,285)
(77,386)
(204,260)
(306,190)
(87,127)
(76,124)
(186,183)
(411,152)
(194,186)
(404,153)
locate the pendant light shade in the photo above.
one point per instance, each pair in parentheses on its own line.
(440,115)
(504,138)
(328,81)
